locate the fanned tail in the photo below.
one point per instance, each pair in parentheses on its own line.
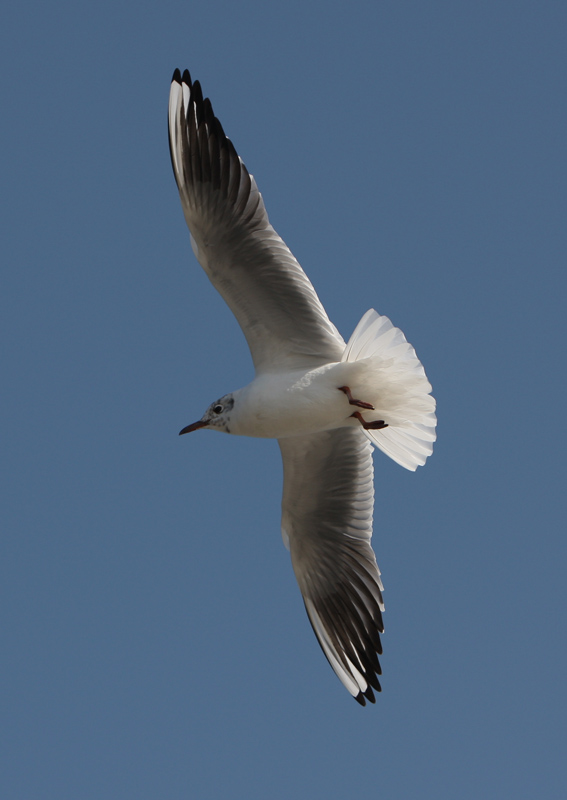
(395,380)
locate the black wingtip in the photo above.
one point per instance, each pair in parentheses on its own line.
(176,75)
(186,77)
(373,680)
(208,113)
(197,92)
(369,694)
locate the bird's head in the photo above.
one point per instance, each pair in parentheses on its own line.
(217,416)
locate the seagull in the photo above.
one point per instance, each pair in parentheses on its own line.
(327,402)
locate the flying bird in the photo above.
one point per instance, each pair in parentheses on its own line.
(325,401)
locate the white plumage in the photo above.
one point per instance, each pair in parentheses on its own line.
(323,400)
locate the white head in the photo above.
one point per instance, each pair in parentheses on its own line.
(217,416)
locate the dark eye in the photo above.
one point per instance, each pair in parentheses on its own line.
(217,409)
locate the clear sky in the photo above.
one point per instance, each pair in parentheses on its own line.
(154,642)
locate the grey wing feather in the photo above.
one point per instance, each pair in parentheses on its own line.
(327,521)
(284,322)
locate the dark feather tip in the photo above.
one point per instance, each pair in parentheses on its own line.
(369,694)
(176,75)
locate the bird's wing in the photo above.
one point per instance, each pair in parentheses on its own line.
(327,504)
(284,322)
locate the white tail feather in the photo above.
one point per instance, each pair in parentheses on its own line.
(394,380)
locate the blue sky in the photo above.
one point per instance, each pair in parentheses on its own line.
(154,643)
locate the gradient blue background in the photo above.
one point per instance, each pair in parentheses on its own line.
(154,643)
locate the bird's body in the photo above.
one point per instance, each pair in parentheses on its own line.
(324,400)
(278,405)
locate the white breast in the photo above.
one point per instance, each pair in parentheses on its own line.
(277,405)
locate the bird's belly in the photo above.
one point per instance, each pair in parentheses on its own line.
(279,405)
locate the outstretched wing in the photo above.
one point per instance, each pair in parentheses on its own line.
(284,322)
(327,505)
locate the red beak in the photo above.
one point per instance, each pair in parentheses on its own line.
(194,427)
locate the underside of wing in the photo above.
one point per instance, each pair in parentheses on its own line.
(284,322)
(327,523)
